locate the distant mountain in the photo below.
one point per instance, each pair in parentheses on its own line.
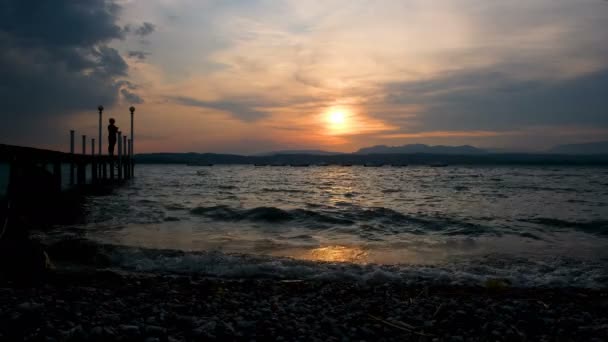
(311,152)
(205,159)
(421,148)
(600,147)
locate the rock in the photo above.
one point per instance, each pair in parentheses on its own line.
(97,332)
(29,306)
(187,321)
(206,330)
(75,334)
(128,330)
(244,324)
(153,330)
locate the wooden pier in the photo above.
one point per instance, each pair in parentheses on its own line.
(44,187)
(83,168)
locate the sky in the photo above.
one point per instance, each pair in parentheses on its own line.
(249,76)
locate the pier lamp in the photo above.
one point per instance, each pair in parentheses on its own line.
(132,110)
(100,109)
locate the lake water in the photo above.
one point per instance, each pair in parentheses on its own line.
(535,226)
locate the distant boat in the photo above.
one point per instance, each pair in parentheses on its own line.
(346,165)
(438,165)
(198,164)
(373,165)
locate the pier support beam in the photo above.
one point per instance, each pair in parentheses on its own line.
(82,173)
(71,162)
(119,155)
(57,175)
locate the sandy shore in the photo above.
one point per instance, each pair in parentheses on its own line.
(104,306)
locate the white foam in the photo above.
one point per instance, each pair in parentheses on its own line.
(557,272)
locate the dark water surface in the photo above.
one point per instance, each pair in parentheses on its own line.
(532,225)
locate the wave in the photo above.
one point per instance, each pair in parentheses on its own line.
(391,220)
(293,191)
(390,191)
(227,187)
(520,272)
(599,227)
(265,214)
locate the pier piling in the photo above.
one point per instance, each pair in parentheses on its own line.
(72,153)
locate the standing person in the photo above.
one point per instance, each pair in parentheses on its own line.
(112,131)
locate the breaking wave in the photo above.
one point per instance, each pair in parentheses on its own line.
(390,219)
(519,272)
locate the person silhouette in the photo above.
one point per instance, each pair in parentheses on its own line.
(112,131)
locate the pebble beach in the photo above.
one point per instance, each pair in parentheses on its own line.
(98,305)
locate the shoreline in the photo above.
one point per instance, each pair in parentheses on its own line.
(89,304)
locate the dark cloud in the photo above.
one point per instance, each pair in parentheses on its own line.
(60,23)
(242,109)
(54,60)
(145,29)
(140,55)
(131,97)
(490,99)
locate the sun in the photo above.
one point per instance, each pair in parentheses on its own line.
(337,120)
(336,117)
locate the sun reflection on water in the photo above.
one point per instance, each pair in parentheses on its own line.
(336,253)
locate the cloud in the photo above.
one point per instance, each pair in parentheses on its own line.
(242,109)
(131,97)
(140,55)
(145,29)
(55,60)
(491,99)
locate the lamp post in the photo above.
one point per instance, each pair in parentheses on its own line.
(132,163)
(100,109)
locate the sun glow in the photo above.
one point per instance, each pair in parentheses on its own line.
(338,120)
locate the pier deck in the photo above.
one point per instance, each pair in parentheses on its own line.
(82,168)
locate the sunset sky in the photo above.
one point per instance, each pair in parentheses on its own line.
(246,76)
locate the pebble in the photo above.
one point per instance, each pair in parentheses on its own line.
(29,306)
(264,310)
(153,330)
(128,330)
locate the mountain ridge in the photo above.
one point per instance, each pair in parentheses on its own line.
(596,147)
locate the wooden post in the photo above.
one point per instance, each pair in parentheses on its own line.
(104,170)
(131,162)
(129,159)
(94,165)
(119,155)
(13,175)
(124,156)
(81,173)
(84,144)
(57,175)
(100,109)
(72,157)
